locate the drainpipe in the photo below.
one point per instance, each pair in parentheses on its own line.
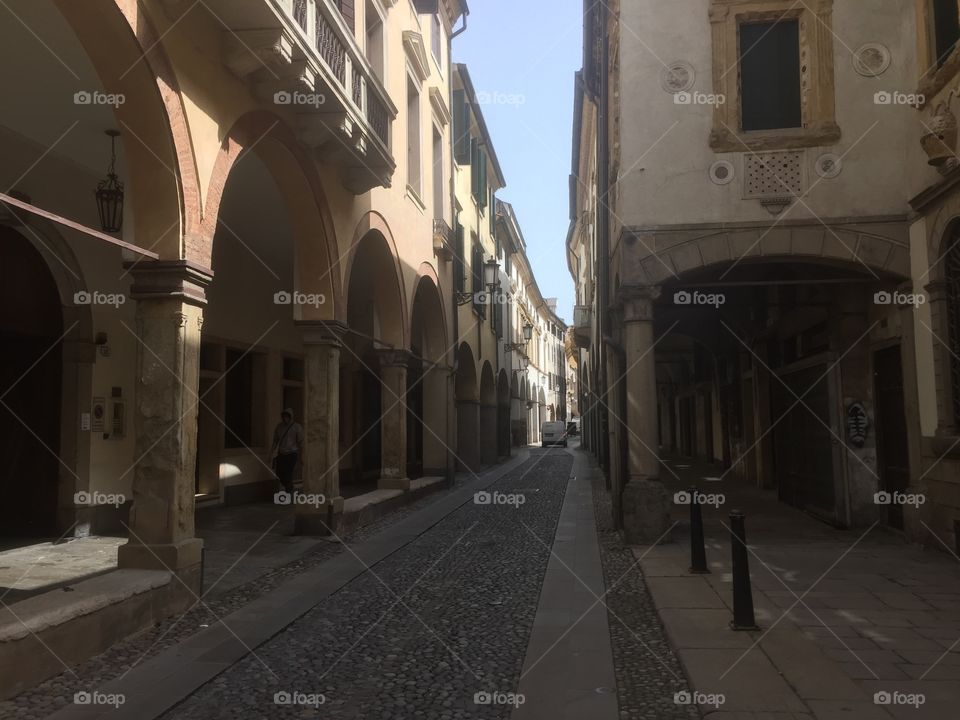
(603,222)
(466,13)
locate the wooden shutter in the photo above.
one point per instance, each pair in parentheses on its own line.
(475,169)
(461,128)
(482,172)
(458,259)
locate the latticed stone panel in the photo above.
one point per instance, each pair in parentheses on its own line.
(773,174)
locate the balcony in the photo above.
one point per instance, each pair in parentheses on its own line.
(301,54)
(582,325)
(442,239)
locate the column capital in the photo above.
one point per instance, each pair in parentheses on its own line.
(321,332)
(636,302)
(169,279)
(392,357)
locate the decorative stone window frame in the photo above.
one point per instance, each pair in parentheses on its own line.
(818,103)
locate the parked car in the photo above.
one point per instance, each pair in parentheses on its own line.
(553,433)
(573,428)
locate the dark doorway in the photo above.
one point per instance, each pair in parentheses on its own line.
(368,427)
(31,325)
(893,455)
(802,442)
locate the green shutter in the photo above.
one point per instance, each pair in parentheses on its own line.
(461,128)
(475,168)
(482,189)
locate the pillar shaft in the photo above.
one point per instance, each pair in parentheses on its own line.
(645,502)
(321,466)
(169,316)
(393,420)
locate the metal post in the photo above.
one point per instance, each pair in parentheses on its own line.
(698,553)
(743,618)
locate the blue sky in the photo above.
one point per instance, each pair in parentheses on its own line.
(522,60)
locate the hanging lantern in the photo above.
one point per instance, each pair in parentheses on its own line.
(110,192)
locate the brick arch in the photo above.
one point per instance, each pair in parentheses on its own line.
(121,41)
(374,226)
(291,168)
(685,251)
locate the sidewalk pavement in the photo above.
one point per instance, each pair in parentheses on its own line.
(853,624)
(568,670)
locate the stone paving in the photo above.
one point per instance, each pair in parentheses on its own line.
(650,679)
(853,623)
(441,624)
(222,596)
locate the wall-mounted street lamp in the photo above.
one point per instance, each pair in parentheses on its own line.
(527,334)
(491,270)
(110,192)
(523,363)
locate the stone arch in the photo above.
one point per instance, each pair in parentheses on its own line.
(121,42)
(488,415)
(296,176)
(467,393)
(840,245)
(427,387)
(373,241)
(67,365)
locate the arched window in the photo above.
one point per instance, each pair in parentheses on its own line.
(952,281)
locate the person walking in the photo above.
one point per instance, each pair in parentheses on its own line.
(286,448)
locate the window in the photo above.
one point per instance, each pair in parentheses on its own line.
(462,143)
(758,71)
(436,40)
(770,75)
(374,39)
(438,208)
(346,9)
(413,136)
(238,400)
(946,24)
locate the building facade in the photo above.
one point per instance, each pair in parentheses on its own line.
(760,285)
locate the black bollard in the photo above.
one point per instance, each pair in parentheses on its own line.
(698,553)
(743,618)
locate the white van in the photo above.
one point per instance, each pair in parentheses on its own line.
(554,433)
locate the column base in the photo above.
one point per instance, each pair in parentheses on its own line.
(184,559)
(393,483)
(319,520)
(646,511)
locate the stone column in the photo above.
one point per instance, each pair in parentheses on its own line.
(170,297)
(646,504)
(321,466)
(393,421)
